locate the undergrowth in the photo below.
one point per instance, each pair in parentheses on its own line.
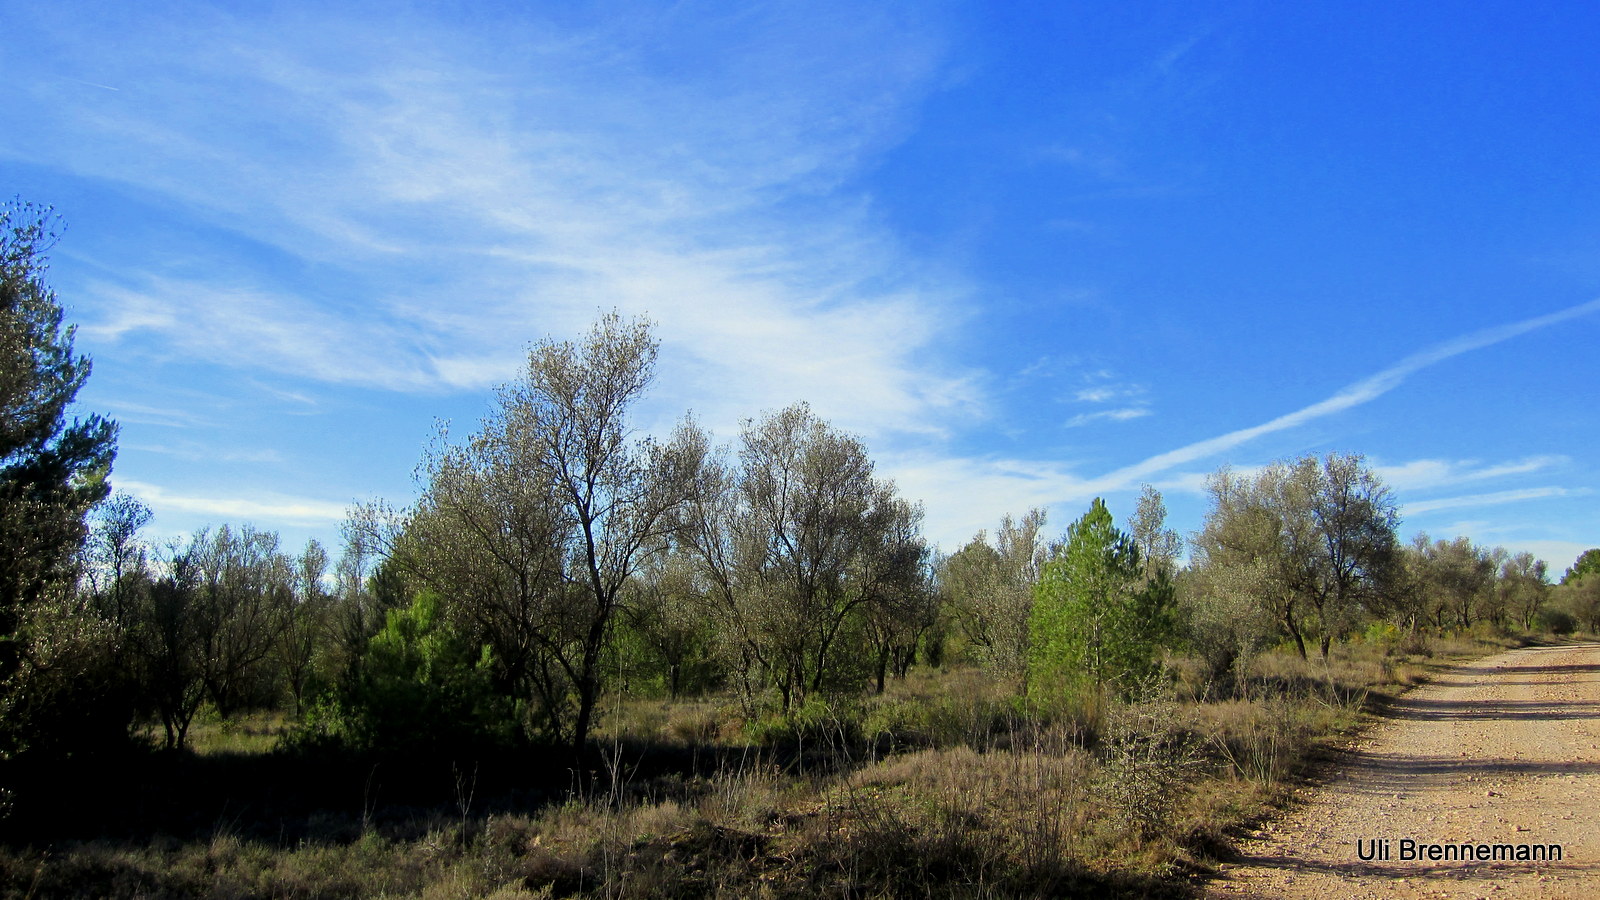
(947,785)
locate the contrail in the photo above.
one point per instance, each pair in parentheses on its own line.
(1363,391)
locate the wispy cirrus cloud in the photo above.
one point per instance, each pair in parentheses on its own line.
(451,201)
(1422,474)
(270,507)
(161,416)
(237,325)
(1109,415)
(1102,387)
(1098,394)
(1404,478)
(1024,484)
(1495,498)
(197,452)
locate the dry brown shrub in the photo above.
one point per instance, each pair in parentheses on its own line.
(963,817)
(1259,741)
(747,797)
(1150,754)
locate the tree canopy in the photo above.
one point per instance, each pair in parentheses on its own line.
(1314,539)
(1588,563)
(51,470)
(534,528)
(1095,613)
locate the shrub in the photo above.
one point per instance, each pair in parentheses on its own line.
(1383,635)
(1557,621)
(1148,758)
(420,689)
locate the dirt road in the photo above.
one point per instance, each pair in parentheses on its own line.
(1499,757)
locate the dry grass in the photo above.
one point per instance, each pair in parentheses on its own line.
(947,785)
(683,723)
(246,733)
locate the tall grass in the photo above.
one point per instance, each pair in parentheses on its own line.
(949,785)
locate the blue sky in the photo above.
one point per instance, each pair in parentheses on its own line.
(1031,253)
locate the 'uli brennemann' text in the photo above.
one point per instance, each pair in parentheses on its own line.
(1411,850)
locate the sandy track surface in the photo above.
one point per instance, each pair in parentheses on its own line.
(1504,750)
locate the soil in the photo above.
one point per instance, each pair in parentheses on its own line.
(1500,751)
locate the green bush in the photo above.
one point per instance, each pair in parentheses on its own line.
(1384,635)
(1557,621)
(815,723)
(420,689)
(70,695)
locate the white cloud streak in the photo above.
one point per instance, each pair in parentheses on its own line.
(1108,415)
(1363,391)
(993,486)
(1492,499)
(1422,474)
(271,508)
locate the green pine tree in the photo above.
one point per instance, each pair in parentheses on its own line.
(51,470)
(1096,617)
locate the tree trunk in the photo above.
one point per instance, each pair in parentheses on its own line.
(903,658)
(1294,632)
(588,689)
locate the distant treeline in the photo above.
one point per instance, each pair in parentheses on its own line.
(554,556)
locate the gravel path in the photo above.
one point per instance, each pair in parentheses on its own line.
(1501,751)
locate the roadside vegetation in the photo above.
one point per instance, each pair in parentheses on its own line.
(587,663)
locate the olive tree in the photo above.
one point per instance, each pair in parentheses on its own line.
(487,537)
(1309,540)
(1580,596)
(307,622)
(669,630)
(810,558)
(533,529)
(117,563)
(1356,567)
(614,495)
(1250,546)
(989,590)
(1158,545)
(168,641)
(1452,578)
(1587,563)
(1523,586)
(901,605)
(246,597)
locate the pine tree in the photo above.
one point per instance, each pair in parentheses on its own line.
(1095,613)
(51,470)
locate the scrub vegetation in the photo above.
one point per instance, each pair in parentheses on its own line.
(589,663)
